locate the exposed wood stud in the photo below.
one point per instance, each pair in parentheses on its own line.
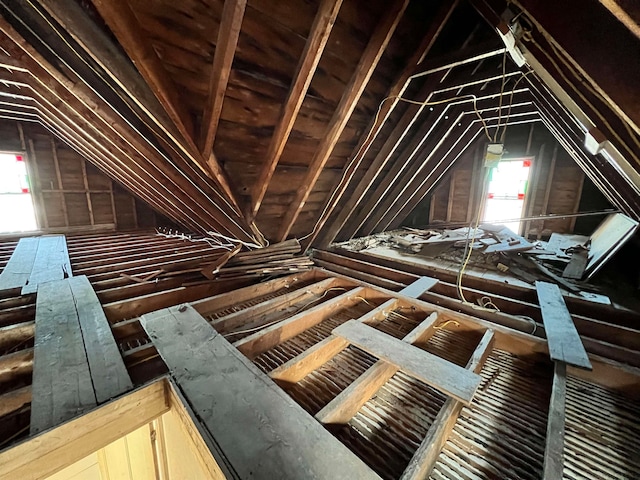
(32,165)
(85,181)
(63,200)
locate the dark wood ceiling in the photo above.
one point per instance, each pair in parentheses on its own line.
(282,119)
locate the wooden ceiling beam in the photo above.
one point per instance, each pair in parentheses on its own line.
(366,66)
(122,21)
(88,106)
(156,103)
(228,34)
(369,136)
(320,30)
(101,48)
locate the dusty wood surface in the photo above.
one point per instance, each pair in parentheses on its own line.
(108,372)
(554,449)
(565,344)
(17,271)
(431,369)
(51,262)
(258,427)
(62,387)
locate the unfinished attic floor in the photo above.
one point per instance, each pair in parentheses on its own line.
(501,434)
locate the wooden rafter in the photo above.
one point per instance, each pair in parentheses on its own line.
(230,24)
(73,103)
(367,64)
(125,26)
(397,89)
(320,30)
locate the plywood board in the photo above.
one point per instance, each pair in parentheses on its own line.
(259,428)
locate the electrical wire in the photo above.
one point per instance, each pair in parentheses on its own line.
(377,115)
(260,327)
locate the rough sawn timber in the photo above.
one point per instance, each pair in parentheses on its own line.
(262,432)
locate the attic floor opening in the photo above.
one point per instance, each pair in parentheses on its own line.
(506,189)
(16,204)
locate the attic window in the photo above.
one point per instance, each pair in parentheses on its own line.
(16,204)
(506,190)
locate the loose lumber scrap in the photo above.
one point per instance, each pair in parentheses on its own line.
(564,342)
(62,386)
(210,270)
(51,262)
(108,372)
(425,457)
(262,432)
(554,447)
(577,265)
(426,367)
(18,269)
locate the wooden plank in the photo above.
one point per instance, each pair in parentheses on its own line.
(256,313)
(345,405)
(14,400)
(365,68)
(261,431)
(554,447)
(230,24)
(577,265)
(417,288)
(108,372)
(62,387)
(51,262)
(564,342)
(43,455)
(316,41)
(263,340)
(241,295)
(426,367)
(301,365)
(18,269)
(425,457)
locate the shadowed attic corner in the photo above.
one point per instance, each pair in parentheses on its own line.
(321,239)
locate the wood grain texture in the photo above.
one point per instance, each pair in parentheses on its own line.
(51,262)
(554,448)
(431,369)
(262,432)
(108,372)
(18,270)
(62,387)
(564,342)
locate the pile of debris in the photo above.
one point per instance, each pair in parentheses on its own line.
(274,260)
(497,247)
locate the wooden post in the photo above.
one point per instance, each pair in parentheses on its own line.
(88,193)
(54,153)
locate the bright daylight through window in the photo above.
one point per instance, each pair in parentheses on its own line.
(16,206)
